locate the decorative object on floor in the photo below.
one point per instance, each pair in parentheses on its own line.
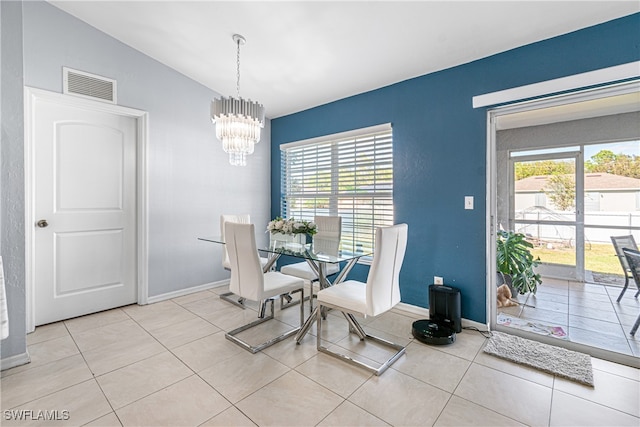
(514,259)
(548,358)
(238,121)
(531,326)
(503,294)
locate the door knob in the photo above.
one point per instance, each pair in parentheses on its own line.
(42,223)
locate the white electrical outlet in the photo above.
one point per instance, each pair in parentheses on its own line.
(437,280)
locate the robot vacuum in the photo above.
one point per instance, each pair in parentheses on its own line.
(430,332)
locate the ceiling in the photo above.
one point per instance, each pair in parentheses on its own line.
(300,54)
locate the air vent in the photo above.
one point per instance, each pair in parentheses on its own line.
(88,85)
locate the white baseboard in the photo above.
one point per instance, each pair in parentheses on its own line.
(13,361)
(421,311)
(187,291)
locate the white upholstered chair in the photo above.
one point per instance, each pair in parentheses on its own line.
(327,241)
(379,294)
(250,282)
(240,219)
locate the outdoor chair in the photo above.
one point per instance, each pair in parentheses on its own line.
(620,243)
(633,258)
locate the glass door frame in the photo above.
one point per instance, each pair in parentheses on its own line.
(578,223)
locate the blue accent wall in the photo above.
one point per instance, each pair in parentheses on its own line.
(440,149)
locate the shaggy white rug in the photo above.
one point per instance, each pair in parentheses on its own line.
(554,360)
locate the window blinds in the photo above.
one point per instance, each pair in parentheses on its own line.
(347,176)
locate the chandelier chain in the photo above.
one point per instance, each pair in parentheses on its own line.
(238,70)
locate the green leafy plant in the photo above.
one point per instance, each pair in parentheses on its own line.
(515,259)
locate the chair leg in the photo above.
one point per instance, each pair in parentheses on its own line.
(635,326)
(356,326)
(626,285)
(228,297)
(231,335)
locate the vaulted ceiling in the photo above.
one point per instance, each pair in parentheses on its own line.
(300,54)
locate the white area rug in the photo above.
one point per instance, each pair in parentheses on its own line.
(554,360)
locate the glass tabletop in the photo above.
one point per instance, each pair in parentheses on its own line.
(320,250)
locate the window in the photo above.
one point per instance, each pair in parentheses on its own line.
(348,174)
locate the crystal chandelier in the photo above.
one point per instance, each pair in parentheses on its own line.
(238,121)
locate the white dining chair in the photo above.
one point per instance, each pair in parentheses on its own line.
(327,241)
(379,294)
(240,219)
(250,282)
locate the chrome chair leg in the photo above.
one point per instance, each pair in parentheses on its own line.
(228,297)
(400,350)
(231,335)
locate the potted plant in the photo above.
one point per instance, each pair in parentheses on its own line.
(514,259)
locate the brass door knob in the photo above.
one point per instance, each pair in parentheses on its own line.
(42,223)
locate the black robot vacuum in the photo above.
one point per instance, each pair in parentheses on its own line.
(430,332)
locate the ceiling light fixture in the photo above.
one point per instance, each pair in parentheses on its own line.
(238,121)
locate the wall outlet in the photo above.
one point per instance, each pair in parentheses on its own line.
(468,202)
(437,280)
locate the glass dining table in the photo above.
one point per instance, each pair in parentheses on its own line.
(318,254)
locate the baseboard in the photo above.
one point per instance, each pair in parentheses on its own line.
(187,291)
(424,312)
(13,361)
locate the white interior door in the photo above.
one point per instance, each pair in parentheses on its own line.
(84,179)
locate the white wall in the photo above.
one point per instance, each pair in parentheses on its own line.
(190,180)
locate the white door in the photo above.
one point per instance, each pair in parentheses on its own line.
(85,211)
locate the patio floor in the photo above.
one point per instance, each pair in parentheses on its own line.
(587,313)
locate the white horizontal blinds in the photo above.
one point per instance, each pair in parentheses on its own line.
(351,177)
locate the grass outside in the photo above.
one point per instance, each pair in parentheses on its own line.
(599,258)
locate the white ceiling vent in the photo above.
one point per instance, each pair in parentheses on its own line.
(88,85)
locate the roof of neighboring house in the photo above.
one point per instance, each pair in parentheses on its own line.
(599,181)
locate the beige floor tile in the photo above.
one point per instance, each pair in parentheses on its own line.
(182,333)
(103,336)
(399,399)
(109,420)
(349,414)
(45,352)
(38,382)
(370,349)
(615,368)
(237,377)
(232,317)
(142,378)
(521,371)
(291,400)
(445,371)
(291,354)
(196,296)
(229,417)
(264,332)
(103,318)
(158,315)
(190,402)
(610,390)
(466,346)
(47,332)
(568,410)
(514,397)
(205,352)
(122,353)
(393,323)
(207,306)
(73,406)
(460,412)
(338,376)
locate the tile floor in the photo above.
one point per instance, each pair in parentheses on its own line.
(169,364)
(588,313)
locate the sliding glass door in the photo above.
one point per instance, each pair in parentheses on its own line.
(545,207)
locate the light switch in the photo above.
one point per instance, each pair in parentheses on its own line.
(468,202)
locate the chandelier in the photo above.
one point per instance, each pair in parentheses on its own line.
(238,121)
